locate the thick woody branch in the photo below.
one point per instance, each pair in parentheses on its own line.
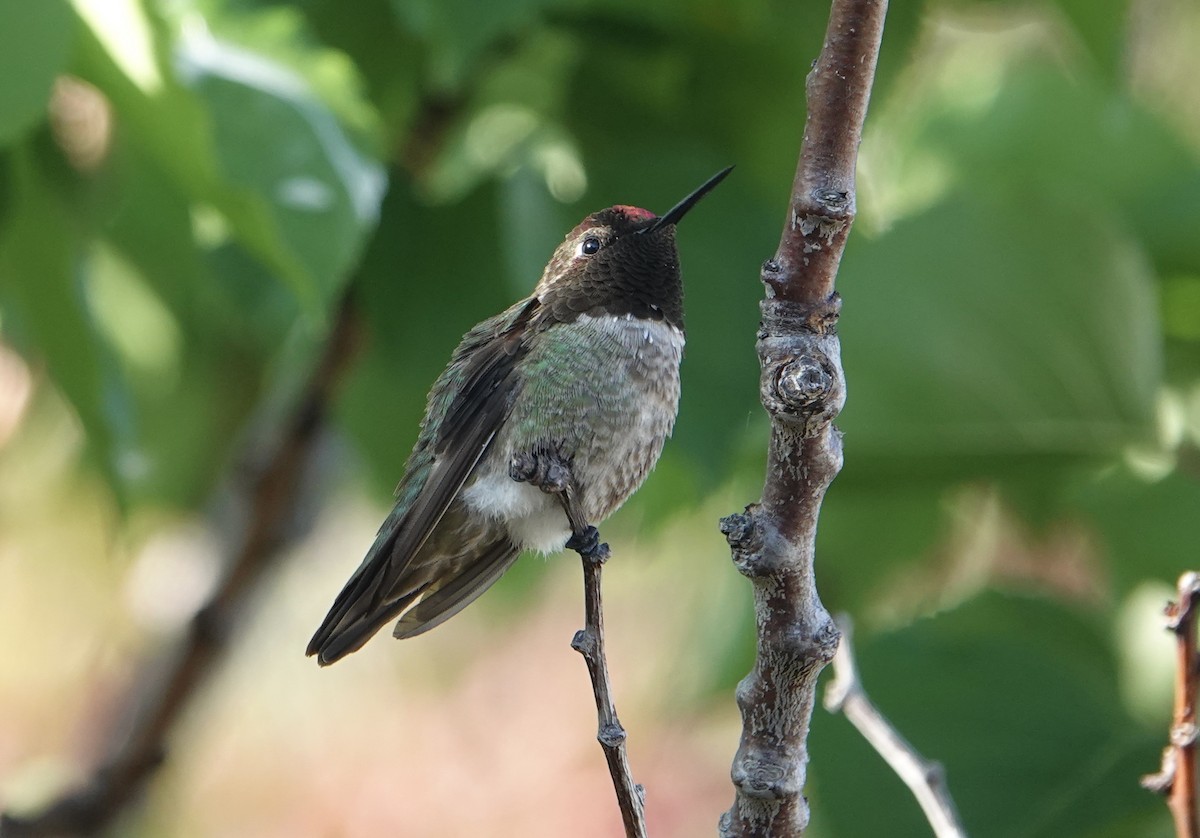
(1177,778)
(926,780)
(773,544)
(803,389)
(271,497)
(823,203)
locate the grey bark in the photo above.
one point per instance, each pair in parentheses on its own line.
(803,389)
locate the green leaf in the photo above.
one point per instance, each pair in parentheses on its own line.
(1017,698)
(194,326)
(1150,529)
(320,193)
(35,41)
(390,75)
(456,47)
(46,312)
(1051,134)
(870,536)
(150,220)
(1102,26)
(428,275)
(1018,330)
(251,145)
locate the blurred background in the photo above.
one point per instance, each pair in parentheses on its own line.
(188,187)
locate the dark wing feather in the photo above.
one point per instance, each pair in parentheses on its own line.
(456,594)
(479,386)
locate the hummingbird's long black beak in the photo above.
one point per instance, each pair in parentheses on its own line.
(680,210)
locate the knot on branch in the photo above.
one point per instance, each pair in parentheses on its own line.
(739,530)
(584,642)
(837,204)
(935,774)
(819,644)
(802,383)
(1178,613)
(611,735)
(742,532)
(1184,734)
(800,645)
(804,390)
(766,773)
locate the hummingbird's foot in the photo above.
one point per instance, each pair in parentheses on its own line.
(587,544)
(545,472)
(522,467)
(546,469)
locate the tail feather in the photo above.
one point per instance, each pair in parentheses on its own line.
(458,562)
(459,591)
(343,640)
(362,597)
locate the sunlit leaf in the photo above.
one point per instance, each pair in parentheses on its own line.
(1020,329)
(251,141)
(46,311)
(457,47)
(1102,28)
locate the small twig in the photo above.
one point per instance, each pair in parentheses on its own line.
(271,498)
(589,642)
(926,779)
(548,470)
(1177,778)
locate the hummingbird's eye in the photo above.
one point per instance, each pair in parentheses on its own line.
(590,245)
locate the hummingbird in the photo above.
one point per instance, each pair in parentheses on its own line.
(548,417)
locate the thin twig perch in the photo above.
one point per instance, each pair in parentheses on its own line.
(589,642)
(803,389)
(1177,778)
(271,498)
(926,780)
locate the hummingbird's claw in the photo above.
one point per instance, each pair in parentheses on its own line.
(584,542)
(547,472)
(587,544)
(556,479)
(522,467)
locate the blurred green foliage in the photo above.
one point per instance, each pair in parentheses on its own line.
(187,188)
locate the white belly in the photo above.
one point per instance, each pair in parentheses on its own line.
(535,520)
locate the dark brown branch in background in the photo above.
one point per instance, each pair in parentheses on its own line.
(272,497)
(803,389)
(926,780)
(1177,779)
(589,642)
